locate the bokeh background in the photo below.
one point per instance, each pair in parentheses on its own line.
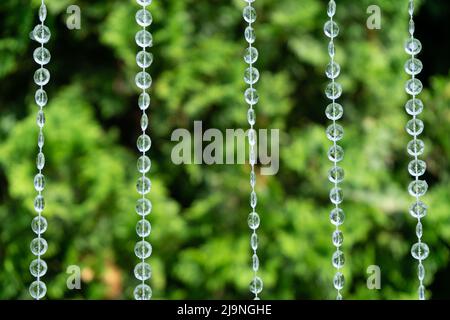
(200,236)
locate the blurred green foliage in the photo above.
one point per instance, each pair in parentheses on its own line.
(200,238)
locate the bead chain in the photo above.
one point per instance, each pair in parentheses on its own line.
(38,246)
(144,59)
(417,188)
(251,77)
(335,132)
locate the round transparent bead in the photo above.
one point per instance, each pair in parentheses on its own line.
(41,76)
(417,168)
(254,241)
(40,119)
(336,174)
(252,137)
(249,14)
(413,66)
(38,268)
(413,87)
(414,127)
(251,55)
(253,220)
(40,161)
(421,292)
(143,271)
(144,3)
(39,203)
(37,289)
(250,35)
(337,216)
(144,18)
(334,111)
(418,188)
(251,75)
(416,147)
(331,29)
(413,46)
(333,70)
(38,246)
(337,238)
(251,96)
(144,122)
(143,207)
(255,262)
(39,225)
(256,285)
(144,143)
(143,185)
(336,195)
(41,33)
(42,12)
(335,132)
(143,228)
(143,249)
(41,98)
(336,153)
(338,281)
(39,182)
(144,164)
(414,107)
(251,117)
(420,251)
(144,101)
(144,59)
(41,55)
(338,259)
(144,39)
(142,292)
(333,90)
(419,230)
(253,199)
(418,209)
(421,272)
(331,10)
(143,80)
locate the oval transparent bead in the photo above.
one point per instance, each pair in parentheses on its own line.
(417,168)
(144,59)
(251,55)
(38,246)
(336,195)
(37,289)
(331,29)
(252,137)
(254,241)
(38,268)
(336,153)
(144,122)
(416,147)
(41,76)
(418,209)
(41,55)
(42,12)
(414,127)
(336,174)
(39,182)
(144,39)
(142,271)
(253,220)
(251,75)
(413,66)
(414,107)
(143,249)
(39,203)
(143,228)
(420,251)
(333,90)
(337,238)
(251,117)
(421,292)
(255,262)
(41,34)
(256,285)
(413,87)
(144,164)
(39,225)
(419,230)
(331,49)
(40,161)
(143,185)
(41,98)
(250,35)
(331,10)
(143,80)
(338,281)
(335,132)
(252,179)
(143,207)
(337,216)
(334,111)
(144,143)
(249,14)
(332,70)
(418,188)
(421,272)
(142,292)
(144,18)
(144,101)
(413,46)
(40,119)
(338,259)
(144,3)
(251,96)
(253,199)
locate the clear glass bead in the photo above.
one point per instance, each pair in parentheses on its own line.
(39,182)
(40,119)
(144,143)
(420,251)
(333,90)
(143,80)
(254,241)
(38,268)
(251,55)
(144,122)
(41,139)
(413,46)
(143,228)
(144,59)
(418,209)
(143,207)
(252,137)
(144,18)
(253,220)
(40,161)
(38,289)
(256,285)
(252,179)
(414,127)
(41,34)
(334,111)
(413,66)
(335,132)
(143,249)
(333,70)
(39,225)
(143,271)
(252,155)
(337,216)
(336,153)
(41,76)
(338,281)
(38,246)
(331,10)
(41,98)
(414,107)
(336,174)
(144,101)
(255,262)
(144,3)
(143,185)
(338,259)
(416,147)
(39,203)
(144,164)
(251,96)
(421,272)
(411,27)
(142,292)
(336,195)
(41,55)
(253,199)
(331,29)
(421,292)
(249,14)
(250,35)
(417,168)
(144,39)
(251,75)
(339,296)
(251,117)
(337,238)
(413,87)
(419,230)
(331,49)
(42,12)
(418,188)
